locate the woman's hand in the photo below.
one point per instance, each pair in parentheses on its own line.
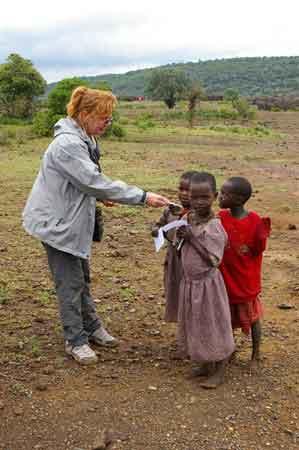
(108,203)
(156,200)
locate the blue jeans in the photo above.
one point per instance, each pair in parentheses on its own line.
(77,309)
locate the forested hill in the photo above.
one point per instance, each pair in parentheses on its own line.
(250,76)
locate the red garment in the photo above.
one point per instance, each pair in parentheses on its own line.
(243,315)
(242,260)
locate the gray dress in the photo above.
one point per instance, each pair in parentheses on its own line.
(204,323)
(172,270)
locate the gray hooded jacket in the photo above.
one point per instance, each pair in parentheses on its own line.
(60,210)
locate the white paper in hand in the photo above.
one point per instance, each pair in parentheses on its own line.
(159,240)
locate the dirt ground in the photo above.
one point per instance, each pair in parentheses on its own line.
(140,392)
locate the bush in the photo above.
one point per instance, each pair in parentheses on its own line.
(243,108)
(43,123)
(118,131)
(144,121)
(6,120)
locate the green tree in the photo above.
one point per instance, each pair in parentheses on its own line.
(194,97)
(61,94)
(102,85)
(231,95)
(169,85)
(20,84)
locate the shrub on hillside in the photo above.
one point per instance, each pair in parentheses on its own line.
(144,121)
(243,108)
(118,131)
(43,123)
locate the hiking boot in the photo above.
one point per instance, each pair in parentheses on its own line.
(81,353)
(103,338)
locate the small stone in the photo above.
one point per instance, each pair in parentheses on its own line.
(49,370)
(285,306)
(2,405)
(21,345)
(192,400)
(152,388)
(39,319)
(18,411)
(292,226)
(287,431)
(41,386)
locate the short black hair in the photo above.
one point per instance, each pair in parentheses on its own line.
(189,174)
(241,186)
(205,177)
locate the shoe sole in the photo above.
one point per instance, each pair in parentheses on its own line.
(86,361)
(104,344)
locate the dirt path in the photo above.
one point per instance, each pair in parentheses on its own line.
(139,391)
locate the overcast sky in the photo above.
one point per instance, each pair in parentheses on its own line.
(64,38)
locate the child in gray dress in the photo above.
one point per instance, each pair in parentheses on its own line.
(172,264)
(204,323)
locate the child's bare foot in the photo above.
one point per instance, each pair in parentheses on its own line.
(255,364)
(214,381)
(218,377)
(177,353)
(203,370)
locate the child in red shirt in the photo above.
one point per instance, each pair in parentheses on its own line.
(242,261)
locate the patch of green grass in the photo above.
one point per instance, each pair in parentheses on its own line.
(4,292)
(144,121)
(35,347)
(46,296)
(127,293)
(21,389)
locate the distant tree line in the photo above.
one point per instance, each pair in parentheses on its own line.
(22,89)
(251,77)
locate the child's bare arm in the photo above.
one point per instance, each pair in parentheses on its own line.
(261,237)
(160,223)
(187,234)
